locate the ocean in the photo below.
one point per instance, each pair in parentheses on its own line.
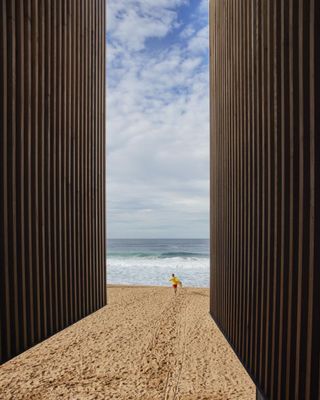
(152,261)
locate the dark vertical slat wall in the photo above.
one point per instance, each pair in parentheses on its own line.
(52,178)
(265,266)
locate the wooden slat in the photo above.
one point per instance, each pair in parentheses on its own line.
(6,343)
(20,175)
(64,135)
(73,149)
(103,136)
(11,150)
(41,178)
(69,150)
(47,169)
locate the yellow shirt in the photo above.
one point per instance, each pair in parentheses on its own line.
(174,280)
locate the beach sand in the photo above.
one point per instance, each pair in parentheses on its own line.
(145,344)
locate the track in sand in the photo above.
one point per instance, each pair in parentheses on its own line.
(146,344)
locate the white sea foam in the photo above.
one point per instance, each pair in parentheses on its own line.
(157,271)
(152,261)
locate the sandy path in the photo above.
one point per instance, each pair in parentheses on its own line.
(146,344)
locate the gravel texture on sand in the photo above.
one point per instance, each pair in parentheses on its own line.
(145,344)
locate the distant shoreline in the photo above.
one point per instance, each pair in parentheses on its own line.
(114,285)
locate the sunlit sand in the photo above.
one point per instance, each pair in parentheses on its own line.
(146,344)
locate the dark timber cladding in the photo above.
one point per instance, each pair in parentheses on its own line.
(265,203)
(52,178)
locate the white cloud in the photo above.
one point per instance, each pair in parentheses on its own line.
(200,42)
(203,6)
(187,32)
(158,124)
(131,22)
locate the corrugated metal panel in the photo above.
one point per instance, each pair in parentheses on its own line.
(52,181)
(265,275)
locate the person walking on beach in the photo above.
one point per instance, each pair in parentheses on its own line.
(175,282)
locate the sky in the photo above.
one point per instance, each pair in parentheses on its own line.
(157,119)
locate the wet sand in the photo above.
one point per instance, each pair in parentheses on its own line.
(145,344)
